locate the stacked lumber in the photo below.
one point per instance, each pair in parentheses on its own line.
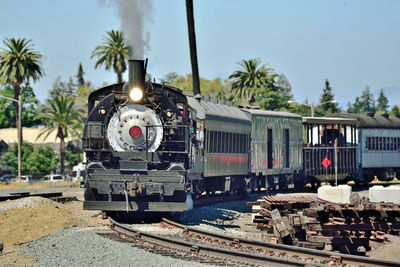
(311,222)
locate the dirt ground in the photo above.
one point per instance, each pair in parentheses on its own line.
(390,250)
(24,224)
(38,217)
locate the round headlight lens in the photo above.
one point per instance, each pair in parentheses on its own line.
(136,94)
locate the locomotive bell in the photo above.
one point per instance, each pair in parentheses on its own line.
(136,84)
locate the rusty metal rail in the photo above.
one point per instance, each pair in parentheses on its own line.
(311,256)
(235,256)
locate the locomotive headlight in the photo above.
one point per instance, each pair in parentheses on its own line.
(136,94)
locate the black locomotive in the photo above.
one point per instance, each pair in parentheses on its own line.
(136,141)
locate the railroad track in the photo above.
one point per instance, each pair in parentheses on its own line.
(240,251)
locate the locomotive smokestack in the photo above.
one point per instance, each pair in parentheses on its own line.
(137,74)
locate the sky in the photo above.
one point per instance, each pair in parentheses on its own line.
(350,43)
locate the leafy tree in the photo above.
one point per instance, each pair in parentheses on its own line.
(71,158)
(367,101)
(208,87)
(271,98)
(19,63)
(356,107)
(83,93)
(363,104)
(327,106)
(249,79)
(284,86)
(301,109)
(61,88)
(29,109)
(382,103)
(192,46)
(170,78)
(113,53)
(61,115)
(79,75)
(34,161)
(395,110)
(275,95)
(11,156)
(42,161)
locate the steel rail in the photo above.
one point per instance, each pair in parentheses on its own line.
(234,256)
(304,253)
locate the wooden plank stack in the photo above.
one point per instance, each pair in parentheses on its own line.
(307,221)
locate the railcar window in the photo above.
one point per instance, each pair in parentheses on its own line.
(238,143)
(218,142)
(286,144)
(231,144)
(246,143)
(211,141)
(234,143)
(228,142)
(242,143)
(226,146)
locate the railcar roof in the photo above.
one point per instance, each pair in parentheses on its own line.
(269,113)
(330,120)
(206,109)
(375,121)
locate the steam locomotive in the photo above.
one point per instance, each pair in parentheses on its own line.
(150,148)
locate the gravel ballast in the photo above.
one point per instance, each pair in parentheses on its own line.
(81,246)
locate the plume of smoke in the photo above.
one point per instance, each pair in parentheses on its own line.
(135,16)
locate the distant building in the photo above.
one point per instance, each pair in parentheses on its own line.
(10,137)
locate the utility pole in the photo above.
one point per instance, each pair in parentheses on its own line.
(19,137)
(312,109)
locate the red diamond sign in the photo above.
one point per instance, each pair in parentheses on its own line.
(326,162)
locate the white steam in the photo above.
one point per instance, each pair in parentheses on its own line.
(135,16)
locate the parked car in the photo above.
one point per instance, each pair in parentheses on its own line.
(8,177)
(26,178)
(54,178)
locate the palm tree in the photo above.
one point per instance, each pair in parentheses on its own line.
(60,115)
(192,45)
(113,53)
(18,64)
(248,80)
